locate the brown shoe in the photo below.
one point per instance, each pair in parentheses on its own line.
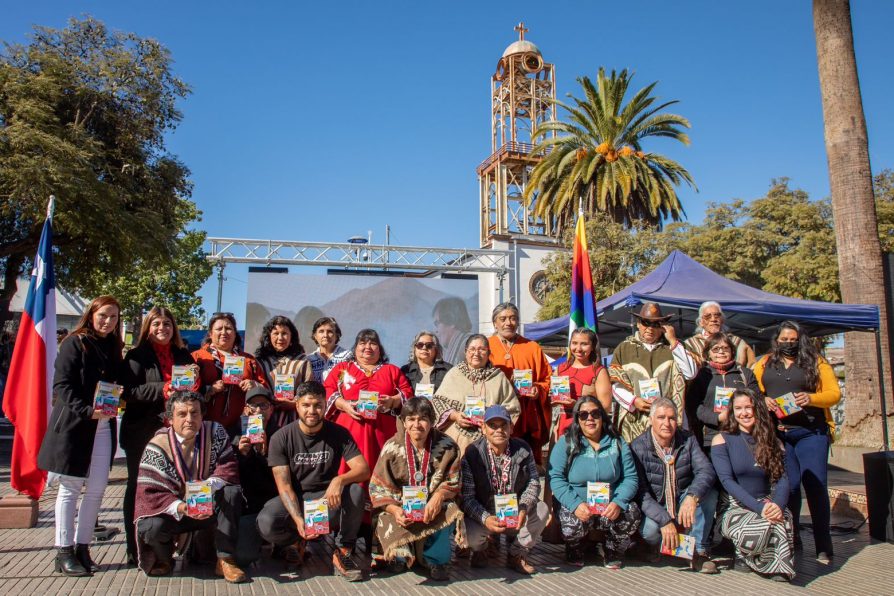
(293,554)
(227,569)
(520,564)
(343,564)
(161,568)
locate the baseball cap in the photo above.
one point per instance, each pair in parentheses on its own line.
(497,411)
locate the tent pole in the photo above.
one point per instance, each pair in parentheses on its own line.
(883,406)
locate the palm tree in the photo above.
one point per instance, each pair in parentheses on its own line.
(598,157)
(853,211)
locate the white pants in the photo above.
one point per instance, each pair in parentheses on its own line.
(526,538)
(70,489)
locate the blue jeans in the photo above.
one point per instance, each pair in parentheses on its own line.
(806,457)
(436,549)
(701,527)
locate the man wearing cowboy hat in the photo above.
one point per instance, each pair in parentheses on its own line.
(649,364)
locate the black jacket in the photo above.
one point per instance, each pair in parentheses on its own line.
(81,363)
(144,391)
(414,375)
(475,462)
(255,474)
(692,467)
(700,397)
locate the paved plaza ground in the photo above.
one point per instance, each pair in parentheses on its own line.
(861,567)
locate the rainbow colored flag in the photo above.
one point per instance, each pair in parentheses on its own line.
(583,302)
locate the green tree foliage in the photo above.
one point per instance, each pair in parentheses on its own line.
(782,243)
(598,156)
(83,116)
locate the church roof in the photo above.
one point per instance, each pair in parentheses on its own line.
(521,46)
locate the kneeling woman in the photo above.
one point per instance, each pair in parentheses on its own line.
(591,451)
(420,458)
(750,463)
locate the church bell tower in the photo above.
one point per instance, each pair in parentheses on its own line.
(522,95)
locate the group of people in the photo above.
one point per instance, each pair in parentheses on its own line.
(669,441)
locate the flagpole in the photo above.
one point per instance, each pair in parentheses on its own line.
(51,207)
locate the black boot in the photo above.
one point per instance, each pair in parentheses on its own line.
(67,563)
(82,552)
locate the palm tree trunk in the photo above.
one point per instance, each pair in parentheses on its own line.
(853,210)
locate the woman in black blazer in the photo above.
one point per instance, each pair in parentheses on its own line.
(79,444)
(147,380)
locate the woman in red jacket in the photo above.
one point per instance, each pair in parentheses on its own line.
(369,371)
(225,398)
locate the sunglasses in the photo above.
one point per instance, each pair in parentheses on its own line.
(655,324)
(587,414)
(223,314)
(425,345)
(262,407)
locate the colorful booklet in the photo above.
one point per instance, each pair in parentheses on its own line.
(107,398)
(426,390)
(368,404)
(559,388)
(474,409)
(199,498)
(413,501)
(284,386)
(523,378)
(685,550)
(506,507)
(598,497)
(722,396)
(787,405)
(255,428)
(316,518)
(183,377)
(649,389)
(233,369)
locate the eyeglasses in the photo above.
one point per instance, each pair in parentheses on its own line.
(222,314)
(425,345)
(587,414)
(720,349)
(477,350)
(262,407)
(653,324)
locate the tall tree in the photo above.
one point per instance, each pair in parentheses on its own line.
(599,157)
(853,210)
(83,115)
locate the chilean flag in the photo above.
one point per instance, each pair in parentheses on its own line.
(29,385)
(583,302)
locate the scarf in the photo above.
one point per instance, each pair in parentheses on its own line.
(165,357)
(670,476)
(722,368)
(477,375)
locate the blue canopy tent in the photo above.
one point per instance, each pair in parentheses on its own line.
(680,284)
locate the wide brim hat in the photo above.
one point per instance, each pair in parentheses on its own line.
(651,312)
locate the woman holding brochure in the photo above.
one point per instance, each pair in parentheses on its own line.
(586,377)
(707,399)
(414,485)
(148,381)
(474,382)
(594,482)
(801,387)
(282,359)
(226,372)
(750,464)
(426,369)
(79,444)
(365,395)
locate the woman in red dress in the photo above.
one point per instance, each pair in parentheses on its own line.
(369,371)
(586,376)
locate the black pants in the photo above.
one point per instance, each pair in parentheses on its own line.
(133,453)
(277,526)
(159,532)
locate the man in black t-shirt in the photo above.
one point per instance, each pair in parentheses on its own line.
(306,456)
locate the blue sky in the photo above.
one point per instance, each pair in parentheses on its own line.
(323,121)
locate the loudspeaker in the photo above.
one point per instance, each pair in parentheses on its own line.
(878,472)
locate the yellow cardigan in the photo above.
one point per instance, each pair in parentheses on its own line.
(828,393)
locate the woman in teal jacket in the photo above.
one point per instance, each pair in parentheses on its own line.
(591,452)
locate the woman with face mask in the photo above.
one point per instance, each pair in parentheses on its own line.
(794,370)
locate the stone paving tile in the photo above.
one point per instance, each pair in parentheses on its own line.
(26,567)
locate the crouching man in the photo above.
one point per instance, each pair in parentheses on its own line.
(188,481)
(498,466)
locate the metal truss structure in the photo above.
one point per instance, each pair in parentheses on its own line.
(523,93)
(357,256)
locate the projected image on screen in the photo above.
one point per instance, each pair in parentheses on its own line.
(396,307)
